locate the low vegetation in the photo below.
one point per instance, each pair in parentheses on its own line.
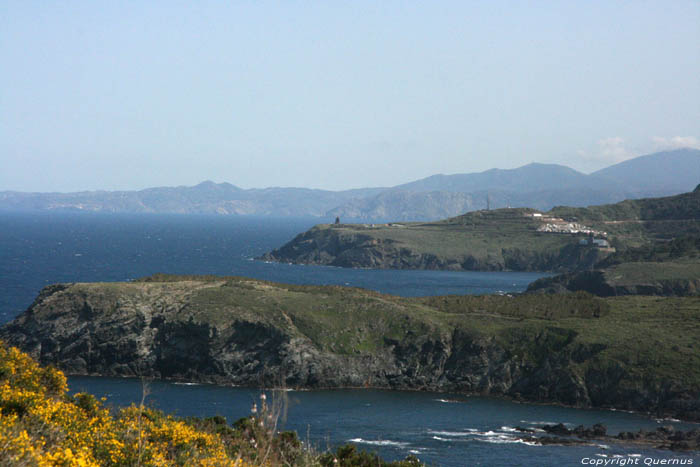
(41,425)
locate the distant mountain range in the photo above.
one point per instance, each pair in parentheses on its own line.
(540,186)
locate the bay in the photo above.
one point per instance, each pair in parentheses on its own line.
(440,429)
(37,249)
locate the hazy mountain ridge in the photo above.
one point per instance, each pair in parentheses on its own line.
(540,186)
(665,171)
(205,198)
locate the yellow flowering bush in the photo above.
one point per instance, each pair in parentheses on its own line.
(41,425)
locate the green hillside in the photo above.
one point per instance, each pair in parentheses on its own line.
(502,239)
(637,353)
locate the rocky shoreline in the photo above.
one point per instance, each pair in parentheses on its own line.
(665,437)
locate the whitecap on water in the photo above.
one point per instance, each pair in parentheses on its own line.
(508,440)
(378,442)
(454,434)
(504,436)
(547,423)
(417,450)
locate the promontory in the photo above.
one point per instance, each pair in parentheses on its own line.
(634,352)
(563,239)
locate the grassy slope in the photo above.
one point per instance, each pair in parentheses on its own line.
(647,335)
(338,319)
(649,272)
(480,234)
(630,223)
(650,336)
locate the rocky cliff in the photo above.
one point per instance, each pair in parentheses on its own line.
(558,349)
(611,282)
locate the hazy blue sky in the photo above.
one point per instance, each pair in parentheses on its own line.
(126,95)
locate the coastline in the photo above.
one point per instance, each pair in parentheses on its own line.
(502,397)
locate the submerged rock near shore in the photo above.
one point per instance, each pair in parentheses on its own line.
(571,349)
(664,437)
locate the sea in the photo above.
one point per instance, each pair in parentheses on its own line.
(42,248)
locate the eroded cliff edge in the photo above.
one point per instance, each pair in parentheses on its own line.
(634,353)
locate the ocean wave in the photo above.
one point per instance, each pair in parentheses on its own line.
(447,401)
(485,433)
(507,440)
(504,436)
(379,442)
(547,423)
(454,434)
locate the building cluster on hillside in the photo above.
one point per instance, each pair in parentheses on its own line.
(559,225)
(376,226)
(570,228)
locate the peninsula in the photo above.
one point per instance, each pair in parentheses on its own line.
(564,239)
(635,353)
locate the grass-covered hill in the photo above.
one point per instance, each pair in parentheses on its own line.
(661,256)
(656,268)
(636,353)
(502,239)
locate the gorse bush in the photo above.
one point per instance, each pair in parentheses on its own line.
(41,425)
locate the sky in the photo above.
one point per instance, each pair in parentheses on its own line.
(336,95)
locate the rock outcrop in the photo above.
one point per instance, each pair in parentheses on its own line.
(664,437)
(604,283)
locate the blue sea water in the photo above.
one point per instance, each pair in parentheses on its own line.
(440,429)
(37,249)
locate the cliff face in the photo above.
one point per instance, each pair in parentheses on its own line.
(636,278)
(252,333)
